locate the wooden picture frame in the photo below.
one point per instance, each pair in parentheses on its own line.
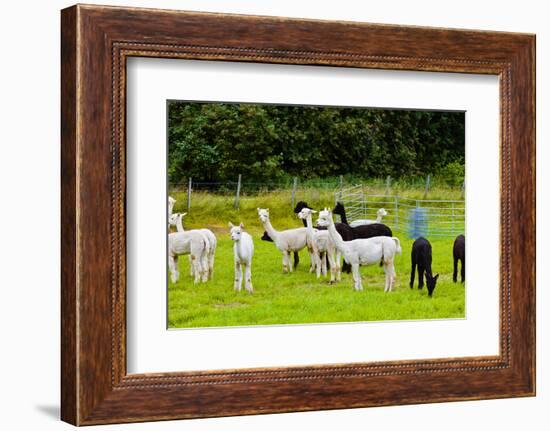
(95,43)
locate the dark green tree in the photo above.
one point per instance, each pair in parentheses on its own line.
(217,141)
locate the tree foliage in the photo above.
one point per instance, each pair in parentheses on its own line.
(218,141)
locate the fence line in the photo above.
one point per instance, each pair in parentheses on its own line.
(430,217)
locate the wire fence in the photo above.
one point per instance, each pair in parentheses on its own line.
(406,215)
(416,217)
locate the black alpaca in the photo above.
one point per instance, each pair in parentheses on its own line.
(363,231)
(421,256)
(459,253)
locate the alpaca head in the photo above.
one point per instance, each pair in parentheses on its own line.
(305,212)
(431,282)
(263,214)
(339,209)
(174,218)
(325,217)
(381,212)
(300,206)
(236,231)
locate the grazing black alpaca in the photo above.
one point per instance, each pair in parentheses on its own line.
(421,256)
(459,253)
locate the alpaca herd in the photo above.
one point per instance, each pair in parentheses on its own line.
(360,243)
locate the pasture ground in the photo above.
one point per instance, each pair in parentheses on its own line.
(297,298)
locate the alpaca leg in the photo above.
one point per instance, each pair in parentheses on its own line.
(248,277)
(204,266)
(191,267)
(211,257)
(356,276)
(238,276)
(346,267)
(323,257)
(195,259)
(463,270)
(289,262)
(286,262)
(386,278)
(421,270)
(211,264)
(332,264)
(413,269)
(172,265)
(455,268)
(296,259)
(313,261)
(317,264)
(338,266)
(389,271)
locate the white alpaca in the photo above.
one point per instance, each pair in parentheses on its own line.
(192,243)
(323,247)
(379,214)
(177,220)
(379,249)
(243,250)
(287,241)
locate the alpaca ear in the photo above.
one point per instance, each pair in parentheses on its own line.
(230,225)
(313,211)
(241,225)
(184,214)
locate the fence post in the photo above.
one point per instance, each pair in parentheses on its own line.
(341,182)
(189,194)
(388,184)
(294,185)
(427,186)
(396,211)
(236,204)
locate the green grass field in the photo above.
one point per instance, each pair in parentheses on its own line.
(297,297)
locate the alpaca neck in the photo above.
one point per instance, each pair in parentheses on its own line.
(309,226)
(378,218)
(179,224)
(343,217)
(273,234)
(335,236)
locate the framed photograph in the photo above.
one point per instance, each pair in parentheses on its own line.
(266,215)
